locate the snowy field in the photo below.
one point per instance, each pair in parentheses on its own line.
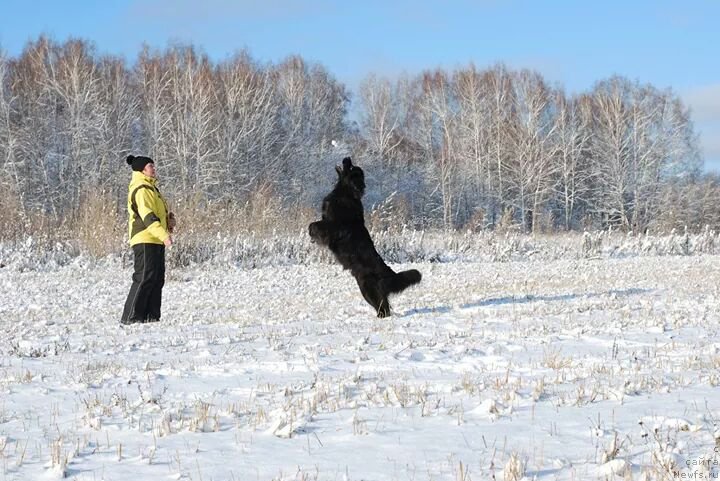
(567,369)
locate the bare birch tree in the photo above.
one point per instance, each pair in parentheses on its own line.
(499,86)
(195,153)
(39,121)
(611,148)
(153,134)
(574,118)
(312,110)
(436,105)
(380,117)
(532,172)
(121,116)
(249,122)
(475,137)
(75,83)
(11,169)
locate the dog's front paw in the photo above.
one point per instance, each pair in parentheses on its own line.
(315,232)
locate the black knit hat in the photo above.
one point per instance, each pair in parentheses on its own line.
(138,163)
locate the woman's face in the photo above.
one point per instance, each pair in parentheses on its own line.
(149,170)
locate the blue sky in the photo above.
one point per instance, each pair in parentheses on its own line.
(572,43)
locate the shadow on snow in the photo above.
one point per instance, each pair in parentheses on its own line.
(498,301)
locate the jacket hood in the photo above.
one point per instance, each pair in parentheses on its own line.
(140,178)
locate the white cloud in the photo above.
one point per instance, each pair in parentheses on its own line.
(710,144)
(704,102)
(710,140)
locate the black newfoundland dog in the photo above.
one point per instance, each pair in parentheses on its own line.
(342,229)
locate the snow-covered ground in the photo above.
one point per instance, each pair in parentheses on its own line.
(547,369)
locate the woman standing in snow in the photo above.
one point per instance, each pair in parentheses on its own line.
(149,225)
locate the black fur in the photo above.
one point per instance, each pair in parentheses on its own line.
(342,229)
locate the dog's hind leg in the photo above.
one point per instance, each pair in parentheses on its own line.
(371,291)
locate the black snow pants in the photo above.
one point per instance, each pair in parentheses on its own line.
(145,296)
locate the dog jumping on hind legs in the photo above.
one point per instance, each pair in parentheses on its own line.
(342,229)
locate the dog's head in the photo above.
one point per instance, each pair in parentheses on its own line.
(351,177)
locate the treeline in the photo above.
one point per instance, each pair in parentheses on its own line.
(479,149)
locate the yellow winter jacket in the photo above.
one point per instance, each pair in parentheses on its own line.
(150,224)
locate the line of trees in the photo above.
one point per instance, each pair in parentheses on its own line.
(468,148)
(498,146)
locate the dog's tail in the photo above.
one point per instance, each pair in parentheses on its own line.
(401,281)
